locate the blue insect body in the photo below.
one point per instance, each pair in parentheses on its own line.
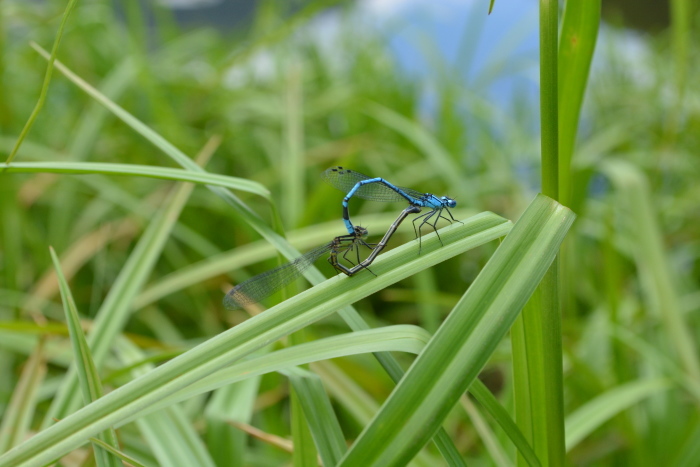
(378,189)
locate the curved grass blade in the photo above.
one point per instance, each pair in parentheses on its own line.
(466,339)
(219,352)
(88,377)
(150,171)
(596,412)
(348,314)
(321,419)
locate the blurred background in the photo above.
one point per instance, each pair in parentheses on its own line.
(437,96)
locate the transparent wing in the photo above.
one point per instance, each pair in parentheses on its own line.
(263,285)
(345,179)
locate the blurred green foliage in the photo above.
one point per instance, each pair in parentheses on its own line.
(279,104)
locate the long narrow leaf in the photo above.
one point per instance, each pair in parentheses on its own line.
(253,334)
(116,308)
(150,171)
(466,339)
(319,414)
(348,314)
(594,413)
(578,38)
(88,378)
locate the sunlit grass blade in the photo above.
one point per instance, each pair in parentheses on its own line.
(351,317)
(319,415)
(245,255)
(399,338)
(176,155)
(466,339)
(169,433)
(88,377)
(235,343)
(596,412)
(163,173)
(116,308)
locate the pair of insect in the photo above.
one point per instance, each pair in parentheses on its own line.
(352,183)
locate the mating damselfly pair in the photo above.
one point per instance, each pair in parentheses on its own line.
(352,183)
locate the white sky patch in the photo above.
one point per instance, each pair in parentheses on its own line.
(387,9)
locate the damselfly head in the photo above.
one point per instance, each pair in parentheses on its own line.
(448,202)
(361,232)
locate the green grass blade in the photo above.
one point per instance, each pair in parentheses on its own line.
(578,38)
(174,440)
(305,452)
(235,343)
(240,257)
(349,315)
(541,317)
(682,16)
(116,453)
(542,389)
(321,419)
(596,412)
(11,237)
(400,338)
(163,173)
(18,414)
(521,385)
(482,394)
(47,80)
(169,433)
(355,400)
(655,272)
(549,109)
(116,308)
(492,445)
(91,126)
(466,339)
(227,444)
(88,377)
(176,155)
(689,455)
